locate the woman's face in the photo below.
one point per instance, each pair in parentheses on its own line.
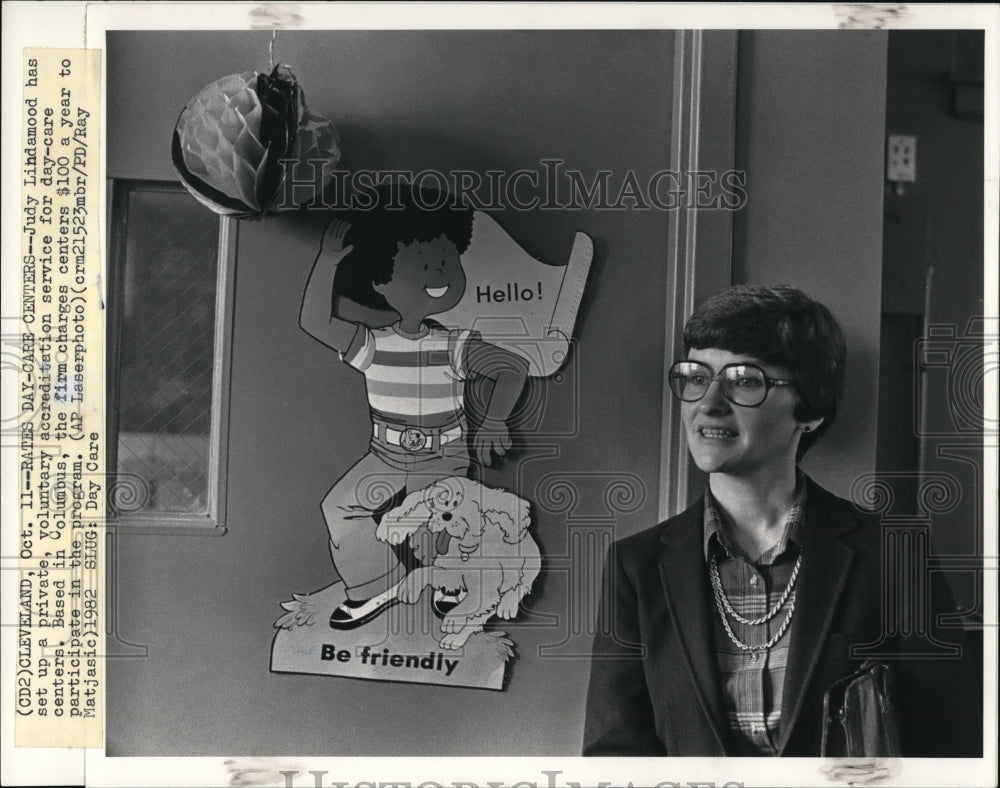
(742,441)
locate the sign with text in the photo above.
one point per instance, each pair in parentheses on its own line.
(518,302)
(401,645)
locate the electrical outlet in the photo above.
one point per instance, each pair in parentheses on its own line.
(901,159)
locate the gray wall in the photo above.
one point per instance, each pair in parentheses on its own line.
(810,135)
(469,100)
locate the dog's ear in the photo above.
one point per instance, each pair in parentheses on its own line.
(523,518)
(423,542)
(504,522)
(509,513)
(406,518)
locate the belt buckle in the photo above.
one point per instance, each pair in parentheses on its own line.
(413,439)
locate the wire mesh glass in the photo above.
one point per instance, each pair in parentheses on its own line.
(166,362)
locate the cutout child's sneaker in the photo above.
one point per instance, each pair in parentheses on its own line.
(354,613)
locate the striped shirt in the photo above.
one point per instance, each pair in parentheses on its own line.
(415,380)
(752,682)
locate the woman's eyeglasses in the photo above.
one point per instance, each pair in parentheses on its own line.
(742,384)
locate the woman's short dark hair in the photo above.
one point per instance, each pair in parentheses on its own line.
(400,214)
(783,326)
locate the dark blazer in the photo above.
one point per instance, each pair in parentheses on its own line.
(654,687)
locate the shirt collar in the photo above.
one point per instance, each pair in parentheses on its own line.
(714,527)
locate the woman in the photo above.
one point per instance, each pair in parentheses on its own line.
(723,627)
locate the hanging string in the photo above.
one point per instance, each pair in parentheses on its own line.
(270,48)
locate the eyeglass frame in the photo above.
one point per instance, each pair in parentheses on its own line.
(769,382)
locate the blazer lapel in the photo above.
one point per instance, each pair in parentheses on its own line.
(682,572)
(826,560)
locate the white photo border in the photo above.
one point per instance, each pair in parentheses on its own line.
(78,24)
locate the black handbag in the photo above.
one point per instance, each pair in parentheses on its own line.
(859,720)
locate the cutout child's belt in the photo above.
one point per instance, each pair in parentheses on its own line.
(415,439)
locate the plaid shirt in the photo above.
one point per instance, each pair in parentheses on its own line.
(752,682)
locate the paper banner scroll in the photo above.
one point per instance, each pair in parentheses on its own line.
(517,301)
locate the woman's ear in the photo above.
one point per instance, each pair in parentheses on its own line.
(810,426)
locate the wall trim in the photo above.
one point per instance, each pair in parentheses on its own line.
(703,139)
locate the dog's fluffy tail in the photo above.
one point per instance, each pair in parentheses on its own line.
(503,644)
(302,611)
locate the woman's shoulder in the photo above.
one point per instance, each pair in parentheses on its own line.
(682,529)
(820,501)
(844,520)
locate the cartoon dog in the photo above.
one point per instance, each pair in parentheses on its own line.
(491,556)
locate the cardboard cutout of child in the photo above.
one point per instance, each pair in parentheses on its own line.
(376,281)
